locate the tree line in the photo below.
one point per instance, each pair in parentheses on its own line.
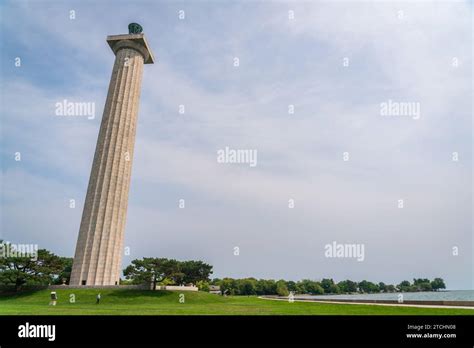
(162,271)
(252,286)
(46,268)
(19,272)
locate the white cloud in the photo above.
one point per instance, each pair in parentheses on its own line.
(284,62)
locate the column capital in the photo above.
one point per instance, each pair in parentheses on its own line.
(134,41)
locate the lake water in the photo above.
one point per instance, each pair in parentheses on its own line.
(454,295)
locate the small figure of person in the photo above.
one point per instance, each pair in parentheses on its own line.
(54,298)
(97,299)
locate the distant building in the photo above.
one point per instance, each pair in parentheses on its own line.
(177,287)
(215,289)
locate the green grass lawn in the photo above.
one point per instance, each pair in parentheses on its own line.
(136,302)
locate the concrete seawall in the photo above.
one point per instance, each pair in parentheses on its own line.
(119,287)
(124,287)
(393,302)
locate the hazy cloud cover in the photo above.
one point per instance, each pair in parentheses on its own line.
(399,51)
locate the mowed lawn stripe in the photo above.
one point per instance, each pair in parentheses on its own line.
(137,302)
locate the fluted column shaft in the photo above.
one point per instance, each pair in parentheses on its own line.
(99,249)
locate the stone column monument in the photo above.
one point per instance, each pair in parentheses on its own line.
(99,248)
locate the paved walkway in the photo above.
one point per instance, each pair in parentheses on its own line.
(369,304)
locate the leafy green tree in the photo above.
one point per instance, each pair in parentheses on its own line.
(195,271)
(347,286)
(326,285)
(334,289)
(123,281)
(404,286)
(437,284)
(307,286)
(65,275)
(166,281)
(316,289)
(420,284)
(153,271)
(20,271)
(329,286)
(266,287)
(417,281)
(260,287)
(343,286)
(228,286)
(148,270)
(281,288)
(425,287)
(173,271)
(368,287)
(202,285)
(291,286)
(247,286)
(215,281)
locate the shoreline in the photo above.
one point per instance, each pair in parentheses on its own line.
(407,303)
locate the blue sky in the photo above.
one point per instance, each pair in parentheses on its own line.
(401,56)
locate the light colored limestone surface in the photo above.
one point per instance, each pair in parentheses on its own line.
(99,248)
